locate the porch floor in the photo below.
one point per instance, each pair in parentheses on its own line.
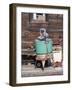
(31,71)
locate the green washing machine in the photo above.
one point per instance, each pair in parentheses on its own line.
(49,45)
(44,47)
(40,47)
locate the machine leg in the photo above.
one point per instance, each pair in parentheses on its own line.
(43,64)
(35,63)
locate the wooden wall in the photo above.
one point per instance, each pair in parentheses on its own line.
(53,24)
